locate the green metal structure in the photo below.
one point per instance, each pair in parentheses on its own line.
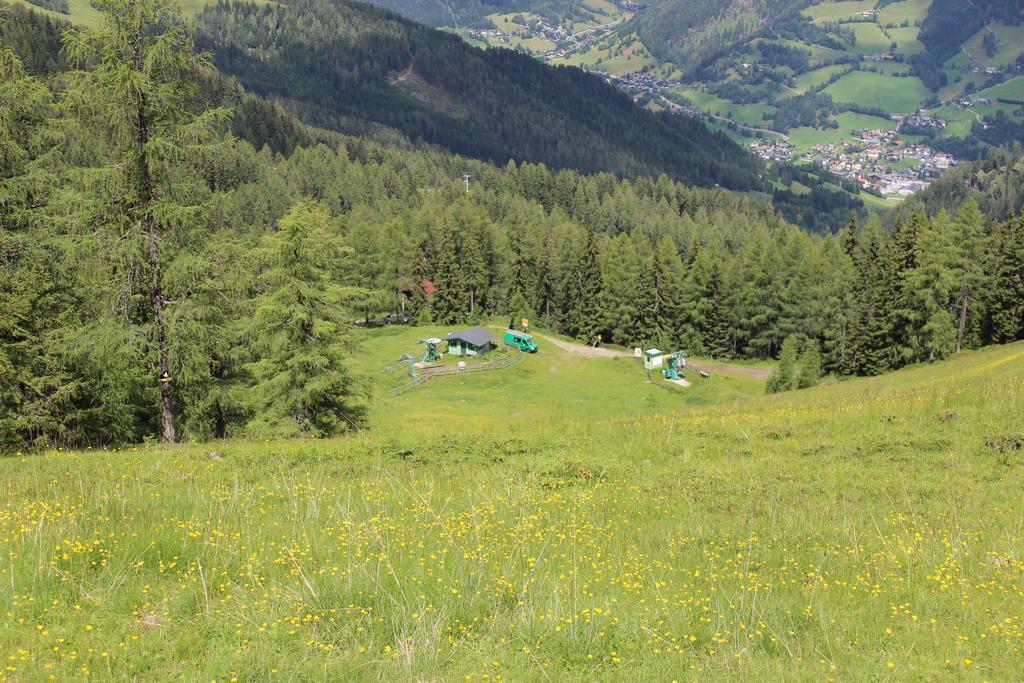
(430,355)
(676,363)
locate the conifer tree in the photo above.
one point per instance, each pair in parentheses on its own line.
(449,304)
(714,327)
(850,236)
(300,341)
(809,370)
(1006,291)
(583,290)
(546,276)
(968,255)
(657,305)
(620,291)
(140,63)
(785,377)
(870,328)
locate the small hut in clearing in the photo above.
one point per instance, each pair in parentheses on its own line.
(474,342)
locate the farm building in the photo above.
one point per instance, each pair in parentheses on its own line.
(474,342)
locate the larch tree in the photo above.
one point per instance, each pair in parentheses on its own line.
(299,339)
(135,91)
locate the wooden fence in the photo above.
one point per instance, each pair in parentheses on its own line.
(424,375)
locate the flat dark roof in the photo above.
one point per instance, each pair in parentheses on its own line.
(475,337)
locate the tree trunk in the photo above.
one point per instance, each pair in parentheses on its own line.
(156,291)
(157,301)
(963,321)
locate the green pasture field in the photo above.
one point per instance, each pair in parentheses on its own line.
(890,93)
(813,79)
(905,10)
(805,138)
(1009,41)
(564,521)
(834,11)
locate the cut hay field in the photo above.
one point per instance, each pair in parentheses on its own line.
(865,530)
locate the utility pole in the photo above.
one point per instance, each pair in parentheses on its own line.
(465,181)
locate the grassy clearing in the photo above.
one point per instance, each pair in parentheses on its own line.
(1009,41)
(905,10)
(813,79)
(616,54)
(870,39)
(747,114)
(890,93)
(1012,89)
(866,530)
(805,138)
(834,11)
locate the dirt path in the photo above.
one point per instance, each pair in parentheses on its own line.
(584,350)
(731,370)
(712,368)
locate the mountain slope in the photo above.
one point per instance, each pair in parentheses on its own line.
(690,33)
(345,66)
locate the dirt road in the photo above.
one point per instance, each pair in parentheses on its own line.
(710,368)
(584,350)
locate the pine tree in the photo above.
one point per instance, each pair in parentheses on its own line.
(657,304)
(620,291)
(141,61)
(476,255)
(714,327)
(968,245)
(870,327)
(931,294)
(901,257)
(850,236)
(809,370)
(450,301)
(785,377)
(299,338)
(546,277)
(1006,290)
(583,290)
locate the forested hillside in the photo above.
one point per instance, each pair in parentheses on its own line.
(147,244)
(996,184)
(691,34)
(343,66)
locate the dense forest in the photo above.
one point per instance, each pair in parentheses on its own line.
(462,13)
(161,277)
(345,66)
(364,71)
(692,33)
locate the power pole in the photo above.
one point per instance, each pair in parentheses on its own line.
(465,181)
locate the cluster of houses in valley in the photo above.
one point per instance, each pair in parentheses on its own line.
(878,160)
(637,82)
(881,161)
(555,33)
(772,150)
(920,120)
(968,102)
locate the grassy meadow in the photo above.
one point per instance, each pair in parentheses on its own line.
(890,93)
(563,521)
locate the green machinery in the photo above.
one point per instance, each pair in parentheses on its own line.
(676,362)
(430,355)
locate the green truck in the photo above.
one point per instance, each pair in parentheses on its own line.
(521,341)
